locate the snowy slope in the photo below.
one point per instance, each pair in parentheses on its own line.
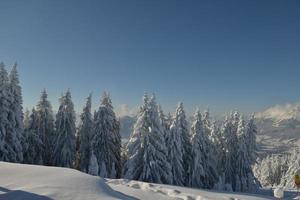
(29,182)
(150,191)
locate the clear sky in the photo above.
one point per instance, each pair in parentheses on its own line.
(219,54)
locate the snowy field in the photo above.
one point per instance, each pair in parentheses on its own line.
(149,191)
(29,182)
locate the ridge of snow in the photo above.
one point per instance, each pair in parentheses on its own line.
(32,182)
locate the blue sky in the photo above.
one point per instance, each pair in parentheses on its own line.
(219,54)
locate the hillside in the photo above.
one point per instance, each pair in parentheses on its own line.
(29,182)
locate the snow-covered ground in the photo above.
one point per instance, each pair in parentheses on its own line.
(29,182)
(150,191)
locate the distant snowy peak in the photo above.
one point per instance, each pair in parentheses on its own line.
(280,113)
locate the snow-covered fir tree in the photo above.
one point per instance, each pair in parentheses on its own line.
(180,127)
(203,171)
(16,113)
(217,146)
(206,123)
(230,148)
(6,153)
(158,142)
(106,141)
(169,120)
(133,152)
(242,159)
(146,150)
(45,127)
(85,132)
(245,180)
(174,143)
(65,142)
(163,121)
(10,136)
(251,140)
(33,152)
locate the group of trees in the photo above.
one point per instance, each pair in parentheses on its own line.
(11,126)
(161,149)
(40,138)
(94,147)
(164,150)
(278,169)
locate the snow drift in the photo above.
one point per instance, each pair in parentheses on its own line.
(30,182)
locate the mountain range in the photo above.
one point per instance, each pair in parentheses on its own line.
(279,128)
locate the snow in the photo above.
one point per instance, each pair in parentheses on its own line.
(150,191)
(32,182)
(279,193)
(281,112)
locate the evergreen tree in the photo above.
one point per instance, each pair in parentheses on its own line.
(174,142)
(85,131)
(16,114)
(134,152)
(158,130)
(169,120)
(34,145)
(206,123)
(230,147)
(251,140)
(146,149)
(45,127)
(217,146)
(6,152)
(179,130)
(163,121)
(65,145)
(107,140)
(245,180)
(235,119)
(10,136)
(203,171)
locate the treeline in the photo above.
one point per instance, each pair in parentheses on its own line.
(164,150)
(94,146)
(161,149)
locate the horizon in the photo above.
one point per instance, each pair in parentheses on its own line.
(222,56)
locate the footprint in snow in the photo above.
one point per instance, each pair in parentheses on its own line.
(136,186)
